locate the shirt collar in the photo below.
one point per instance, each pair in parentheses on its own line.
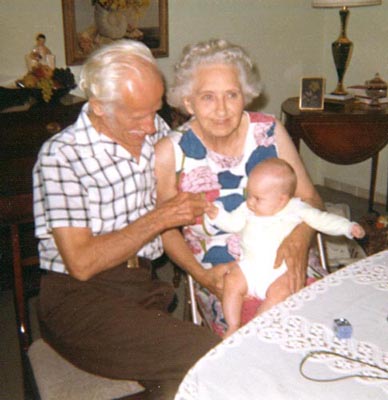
(94,144)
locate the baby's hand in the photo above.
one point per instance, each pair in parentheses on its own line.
(358,231)
(211,210)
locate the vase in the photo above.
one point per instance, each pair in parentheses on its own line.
(342,50)
(111,24)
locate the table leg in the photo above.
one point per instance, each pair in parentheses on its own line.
(386,198)
(372,187)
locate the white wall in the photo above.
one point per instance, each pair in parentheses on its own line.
(288,39)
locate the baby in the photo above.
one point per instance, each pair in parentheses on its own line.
(269,214)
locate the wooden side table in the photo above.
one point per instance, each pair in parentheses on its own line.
(343,133)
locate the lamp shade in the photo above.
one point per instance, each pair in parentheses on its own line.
(345,3)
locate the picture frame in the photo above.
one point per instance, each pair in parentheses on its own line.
(82,36)
(312,93)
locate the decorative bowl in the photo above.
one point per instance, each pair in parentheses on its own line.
(46,85)
(376,88)
(37,95)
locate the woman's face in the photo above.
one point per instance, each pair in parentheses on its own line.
(217,101)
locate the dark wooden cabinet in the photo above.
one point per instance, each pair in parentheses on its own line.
(22,133)
(342,133)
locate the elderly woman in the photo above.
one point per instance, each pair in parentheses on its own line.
(213,153)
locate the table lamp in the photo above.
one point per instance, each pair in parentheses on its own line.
(342,47)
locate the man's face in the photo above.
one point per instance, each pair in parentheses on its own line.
(132,117)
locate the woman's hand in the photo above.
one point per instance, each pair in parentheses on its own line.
(213,278)
(294,251)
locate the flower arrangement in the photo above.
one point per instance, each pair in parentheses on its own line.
(114,5)
(48,81)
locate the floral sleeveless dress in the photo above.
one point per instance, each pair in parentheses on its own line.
(222,178)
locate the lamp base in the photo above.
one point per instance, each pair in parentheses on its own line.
(342,50)
(339,90)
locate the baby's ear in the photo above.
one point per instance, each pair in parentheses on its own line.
(284,198)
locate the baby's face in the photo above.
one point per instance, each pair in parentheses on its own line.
(264,198)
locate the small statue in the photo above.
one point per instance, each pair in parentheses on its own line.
(382,222)
(40,54)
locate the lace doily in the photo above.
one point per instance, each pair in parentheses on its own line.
(369,271)
(295,333)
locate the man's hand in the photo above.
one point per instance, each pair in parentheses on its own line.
(294,251)
(182,209)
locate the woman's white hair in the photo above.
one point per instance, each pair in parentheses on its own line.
(103,72)
(214,51)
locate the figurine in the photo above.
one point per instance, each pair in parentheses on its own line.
(382,222)
(40,54)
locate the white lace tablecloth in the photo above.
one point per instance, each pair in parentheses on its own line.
(262,359)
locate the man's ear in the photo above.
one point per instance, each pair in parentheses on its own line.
(96,107)
(188,105)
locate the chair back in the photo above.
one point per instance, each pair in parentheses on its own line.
(16,213)
(46,375)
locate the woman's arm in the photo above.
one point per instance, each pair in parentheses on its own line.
(295,247)
(173,241)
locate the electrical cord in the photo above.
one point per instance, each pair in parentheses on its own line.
(332,353)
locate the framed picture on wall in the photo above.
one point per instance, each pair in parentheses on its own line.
(88,24)
(312,93)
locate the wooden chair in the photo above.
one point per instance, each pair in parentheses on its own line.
(46,374)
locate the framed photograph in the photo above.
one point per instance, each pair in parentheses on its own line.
(88,24)
(312,94)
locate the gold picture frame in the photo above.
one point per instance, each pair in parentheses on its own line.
(312,93)
(82,36)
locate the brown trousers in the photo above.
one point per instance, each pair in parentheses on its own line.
(115,325)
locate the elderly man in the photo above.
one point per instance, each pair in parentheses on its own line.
(95,215)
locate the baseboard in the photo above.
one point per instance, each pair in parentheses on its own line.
(354,190)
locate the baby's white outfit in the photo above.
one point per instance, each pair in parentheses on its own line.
(262,235)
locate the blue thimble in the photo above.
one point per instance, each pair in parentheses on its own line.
(343,328)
